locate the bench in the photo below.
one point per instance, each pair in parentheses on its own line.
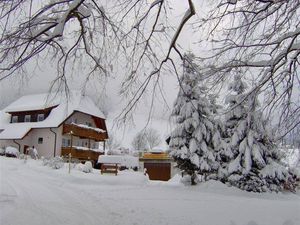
(109,168)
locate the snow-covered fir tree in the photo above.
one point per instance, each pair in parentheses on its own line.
(253,157)
(192,140)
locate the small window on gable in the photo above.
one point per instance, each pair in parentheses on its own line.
(72,120)
(88,124)
(27,118)
(14,119)
(40,117)
(40,140)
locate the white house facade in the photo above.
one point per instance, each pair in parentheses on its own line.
(54,126)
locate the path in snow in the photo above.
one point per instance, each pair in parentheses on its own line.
(32,194)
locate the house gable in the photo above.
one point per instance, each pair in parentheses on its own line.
(34,114)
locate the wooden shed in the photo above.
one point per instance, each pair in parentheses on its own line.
(158,165)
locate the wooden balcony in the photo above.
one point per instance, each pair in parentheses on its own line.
(88,133)
(81,154)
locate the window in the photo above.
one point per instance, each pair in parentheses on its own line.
(14,119)
(40,140)
(27,118)
(72,120)
(88,124)
(40,117)
(64,142)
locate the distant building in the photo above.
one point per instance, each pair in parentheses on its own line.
(55,125)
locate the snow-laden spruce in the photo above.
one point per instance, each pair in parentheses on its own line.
(253,157)
(192,140)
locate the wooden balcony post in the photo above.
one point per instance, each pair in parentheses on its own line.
(71,133)
(70,157)
(89,148)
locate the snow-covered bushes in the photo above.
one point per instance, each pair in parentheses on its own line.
(291,156)
(22,156)
(87,167)
(2,151)
(11,152)
(55,163)
(124,161)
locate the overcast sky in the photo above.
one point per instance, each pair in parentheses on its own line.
(40,76)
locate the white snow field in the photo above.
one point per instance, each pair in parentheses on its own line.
(33,194)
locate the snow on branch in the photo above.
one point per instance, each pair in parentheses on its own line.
(262,42)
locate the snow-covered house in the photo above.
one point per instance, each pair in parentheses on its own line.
(55,125)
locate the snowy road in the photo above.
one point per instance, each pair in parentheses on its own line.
(32,194)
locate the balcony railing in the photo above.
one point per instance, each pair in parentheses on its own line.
(81,154)
(82,132)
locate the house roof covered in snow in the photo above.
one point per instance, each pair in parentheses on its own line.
(63,108)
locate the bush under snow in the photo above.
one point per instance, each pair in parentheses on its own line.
(55,163)
(87,167)
(2,151)
(11,152)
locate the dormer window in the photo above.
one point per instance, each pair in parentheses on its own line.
(14,119)
(40,117)
(27,118)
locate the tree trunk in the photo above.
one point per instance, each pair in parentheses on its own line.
(193,179)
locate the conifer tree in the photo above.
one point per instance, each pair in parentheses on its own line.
(192,140)
(253,157)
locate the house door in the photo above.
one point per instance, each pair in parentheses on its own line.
(25,151)
(158,171)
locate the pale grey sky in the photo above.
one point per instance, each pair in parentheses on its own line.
(40,76)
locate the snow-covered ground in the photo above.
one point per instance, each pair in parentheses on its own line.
(33,194)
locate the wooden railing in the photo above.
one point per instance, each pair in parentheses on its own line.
(81,154)
(84,132)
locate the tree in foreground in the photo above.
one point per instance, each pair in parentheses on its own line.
(254,161)
(90,39)
(260,39)
(191,141)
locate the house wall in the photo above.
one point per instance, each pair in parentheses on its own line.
(4,143)
(79,142)
(81,118)
(46,148)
